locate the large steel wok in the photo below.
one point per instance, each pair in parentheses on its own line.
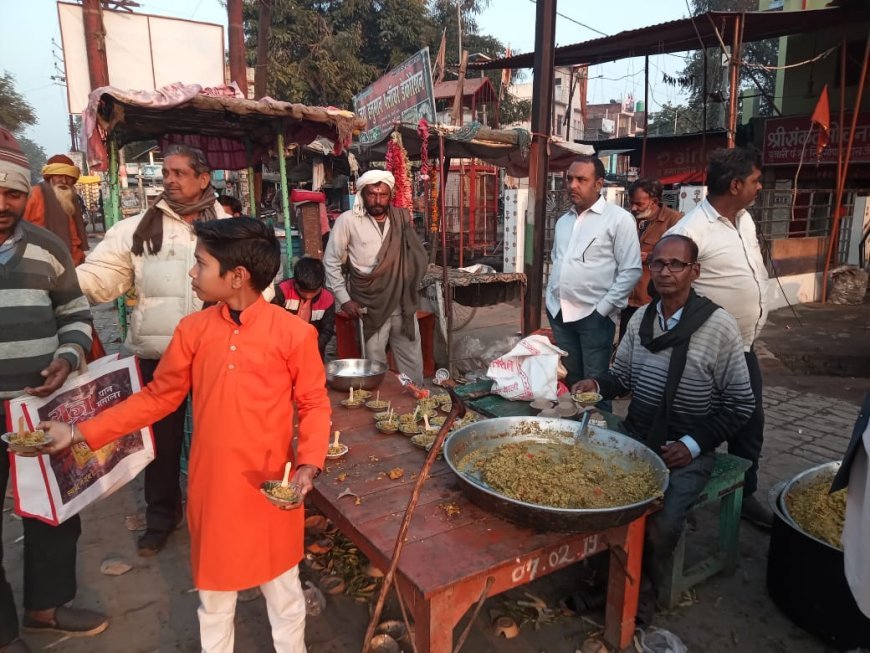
(489,434)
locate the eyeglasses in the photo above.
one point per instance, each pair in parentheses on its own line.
(673,266)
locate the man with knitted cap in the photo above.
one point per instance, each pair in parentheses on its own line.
(385,262)
(45,329)
(53,204)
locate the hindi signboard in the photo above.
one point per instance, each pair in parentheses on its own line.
(784,140)
(404,94)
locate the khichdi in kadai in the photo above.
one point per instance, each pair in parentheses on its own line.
(819,513)
(562,475)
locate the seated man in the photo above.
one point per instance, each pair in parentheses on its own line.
(305,297)
(682,360)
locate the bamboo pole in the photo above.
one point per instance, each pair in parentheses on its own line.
(285,205)
(112,216)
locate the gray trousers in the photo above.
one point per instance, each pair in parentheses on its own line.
(663,528)
(408,353)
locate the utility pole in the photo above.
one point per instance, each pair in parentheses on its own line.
(536,213)
(238,66)
(95,43)
(264,29)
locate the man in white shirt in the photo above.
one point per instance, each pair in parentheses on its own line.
(374,264)
(596,263)
(734,276)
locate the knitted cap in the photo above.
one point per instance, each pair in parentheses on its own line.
(14,167)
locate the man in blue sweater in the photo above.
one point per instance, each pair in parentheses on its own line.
(682,361)
(45,330)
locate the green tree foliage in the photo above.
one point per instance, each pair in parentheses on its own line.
(689,117)
(35,155)
(15,112)
(323,52)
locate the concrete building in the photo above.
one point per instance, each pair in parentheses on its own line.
(569,100)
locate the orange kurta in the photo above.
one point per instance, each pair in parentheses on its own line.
(244,378)
(35,212)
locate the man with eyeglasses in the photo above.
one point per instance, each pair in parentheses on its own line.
(682,361)
(596,263)
(734,276)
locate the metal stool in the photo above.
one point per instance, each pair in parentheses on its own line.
(726,487)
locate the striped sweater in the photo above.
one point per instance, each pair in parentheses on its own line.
(43,313)
(713,398)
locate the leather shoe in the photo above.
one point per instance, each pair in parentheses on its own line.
(152,542)
(756,512)
(75,622)
(15,646)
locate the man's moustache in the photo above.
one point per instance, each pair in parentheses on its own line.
(7,214)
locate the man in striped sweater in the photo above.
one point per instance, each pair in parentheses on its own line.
(682,361)
(45,328)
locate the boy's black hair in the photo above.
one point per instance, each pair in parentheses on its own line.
(242,242)
(309,274)
(726,165)
(228,200)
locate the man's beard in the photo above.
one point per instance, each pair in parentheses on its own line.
(66,195)
(644,215)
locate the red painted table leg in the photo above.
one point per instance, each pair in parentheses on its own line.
(623,586)
(433,624)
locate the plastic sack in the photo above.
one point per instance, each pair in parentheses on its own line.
(528,371)
(659,640)
(315,602)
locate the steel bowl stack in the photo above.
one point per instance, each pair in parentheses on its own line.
(805,575)
(489,434)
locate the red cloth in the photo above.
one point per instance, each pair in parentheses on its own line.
(822,117)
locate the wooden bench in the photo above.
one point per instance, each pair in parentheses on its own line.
(725,487)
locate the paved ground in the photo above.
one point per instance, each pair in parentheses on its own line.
(153,608)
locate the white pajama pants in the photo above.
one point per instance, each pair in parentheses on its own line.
(285,604)
(408,353)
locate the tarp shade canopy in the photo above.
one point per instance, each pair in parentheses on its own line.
(681,35)
(226,128)
(505,148)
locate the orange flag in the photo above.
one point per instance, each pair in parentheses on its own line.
(822,117)
(440,59)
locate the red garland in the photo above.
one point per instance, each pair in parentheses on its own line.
(397,163)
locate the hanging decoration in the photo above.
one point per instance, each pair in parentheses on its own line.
(397,163)
(423,133)
(433,201)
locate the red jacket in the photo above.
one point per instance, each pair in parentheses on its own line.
(322,310)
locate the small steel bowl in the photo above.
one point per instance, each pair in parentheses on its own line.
(409,428)
(352,405)
(377,405)
(386,427)
(266,487)
(356,373)
(586,398)
(26,448)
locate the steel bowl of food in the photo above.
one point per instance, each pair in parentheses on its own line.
(26,442)
(284,496)
(357,373)
(554,474)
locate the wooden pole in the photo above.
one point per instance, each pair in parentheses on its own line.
(95,43)
(734,65)
(841,187)
(112,216)
(238,66)
(536,213)
(264,30)
(645,114)
(457,98)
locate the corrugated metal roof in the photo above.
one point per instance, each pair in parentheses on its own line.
(683,34)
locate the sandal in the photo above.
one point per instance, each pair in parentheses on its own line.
(75,622)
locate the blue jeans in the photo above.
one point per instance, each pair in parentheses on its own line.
(589,343)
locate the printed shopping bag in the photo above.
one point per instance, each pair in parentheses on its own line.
(54,488)
(528,371)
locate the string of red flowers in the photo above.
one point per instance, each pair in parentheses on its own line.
(397,163)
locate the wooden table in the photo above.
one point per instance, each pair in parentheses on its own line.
(447,561)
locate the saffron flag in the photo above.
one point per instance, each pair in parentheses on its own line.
(822,117)
(506,72)
(441,59)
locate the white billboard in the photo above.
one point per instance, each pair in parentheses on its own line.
(144,52)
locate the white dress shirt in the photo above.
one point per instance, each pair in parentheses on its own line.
(596,262)
(732,268)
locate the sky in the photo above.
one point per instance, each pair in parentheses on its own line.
(30,54)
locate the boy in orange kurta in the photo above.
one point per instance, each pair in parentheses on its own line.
(246,361)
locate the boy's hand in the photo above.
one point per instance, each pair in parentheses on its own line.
(62,436)
(304,478)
